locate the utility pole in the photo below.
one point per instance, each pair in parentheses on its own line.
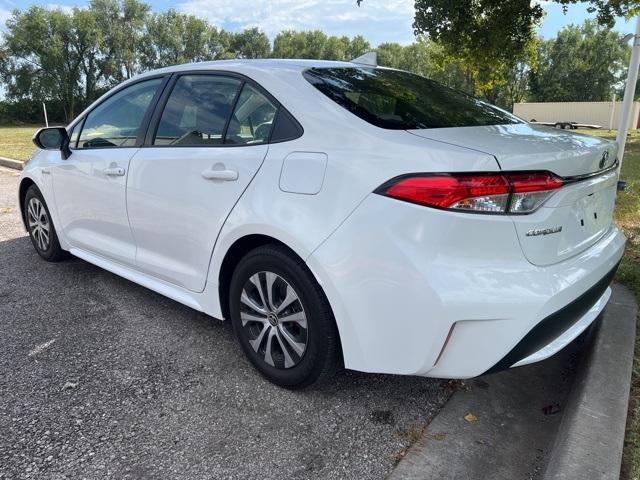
(629,91)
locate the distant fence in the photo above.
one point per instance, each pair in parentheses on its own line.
(590,113)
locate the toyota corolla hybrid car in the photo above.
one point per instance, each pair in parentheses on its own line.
(339,214)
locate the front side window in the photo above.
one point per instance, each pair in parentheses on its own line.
(399,100)
(197,110)
(116,122)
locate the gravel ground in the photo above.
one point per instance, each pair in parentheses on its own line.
(101,378)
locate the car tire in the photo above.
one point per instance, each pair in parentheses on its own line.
(568,126)
(282,319)
(558,126)
(40,227)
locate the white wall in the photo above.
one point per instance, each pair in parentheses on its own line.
(591,113)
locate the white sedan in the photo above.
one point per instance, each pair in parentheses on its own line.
(339,214)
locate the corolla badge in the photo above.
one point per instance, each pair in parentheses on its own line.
(543,231)
(604,159)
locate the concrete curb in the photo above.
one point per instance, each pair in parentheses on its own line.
(591,435)
(8,162)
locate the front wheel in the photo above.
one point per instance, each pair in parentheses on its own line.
(40,227)
(282,319)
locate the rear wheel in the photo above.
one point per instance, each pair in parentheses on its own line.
(282,319)
(40,227)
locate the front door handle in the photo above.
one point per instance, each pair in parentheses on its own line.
(225,175)
(116,171)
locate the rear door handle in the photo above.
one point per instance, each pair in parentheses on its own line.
(226,175)
(116,171)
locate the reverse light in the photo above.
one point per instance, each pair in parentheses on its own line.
(509,192)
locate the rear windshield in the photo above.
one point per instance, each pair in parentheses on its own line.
(399,100)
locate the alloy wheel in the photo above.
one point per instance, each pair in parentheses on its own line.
(39,225)
(273,320)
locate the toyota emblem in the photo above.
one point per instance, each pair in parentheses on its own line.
(603,160)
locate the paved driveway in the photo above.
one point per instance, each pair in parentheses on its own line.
(101,378)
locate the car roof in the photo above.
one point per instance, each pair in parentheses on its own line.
(251,64)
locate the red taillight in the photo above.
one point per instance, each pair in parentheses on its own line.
(534,182)
(494,193)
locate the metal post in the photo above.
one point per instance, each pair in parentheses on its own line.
(613,111)
(629,91)
(46,120)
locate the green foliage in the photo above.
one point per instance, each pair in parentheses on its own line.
(172,38)
(488,37)
(70,59)
(251,43)
(583,64)
(44,53)
(121,24)
(308,44)
(316,45)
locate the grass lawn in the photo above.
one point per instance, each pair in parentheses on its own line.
(15,142)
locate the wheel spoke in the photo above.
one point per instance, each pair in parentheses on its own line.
(258,341)
(288,361)
(299,317)
(247,317)
(44,234)
(43,239)
(271,278)
(297,347)
(268,357)
(33,216)
(255,279)
(288,299)
(249,302)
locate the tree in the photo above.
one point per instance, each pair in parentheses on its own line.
(390,54)
(251,43)
(335,48)
(122,24)
(45,53)
(490,37)
(305,44)
(487,36)
(173,38)
(315,44)
(583,64)
(356,47)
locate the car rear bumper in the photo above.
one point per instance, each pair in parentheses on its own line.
(420,291)
(559,328)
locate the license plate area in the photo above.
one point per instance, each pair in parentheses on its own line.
(551,235)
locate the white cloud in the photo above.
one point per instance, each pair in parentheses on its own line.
(378,21)
(65,8)
(4,16)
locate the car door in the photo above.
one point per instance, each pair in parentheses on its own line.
(203,152)
(90,186)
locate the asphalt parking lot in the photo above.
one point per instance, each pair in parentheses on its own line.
(101,378)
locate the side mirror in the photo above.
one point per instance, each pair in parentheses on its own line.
(53,138)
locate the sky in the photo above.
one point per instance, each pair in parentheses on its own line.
(378,21)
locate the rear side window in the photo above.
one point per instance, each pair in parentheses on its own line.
(399,100)
(252,118)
